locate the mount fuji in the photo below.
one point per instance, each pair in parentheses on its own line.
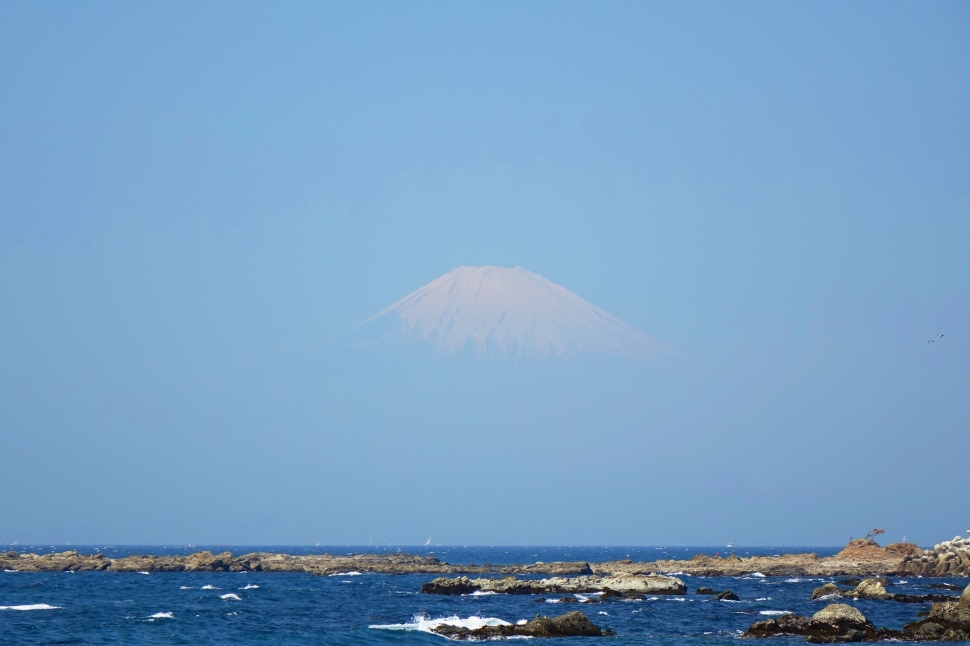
(510,313)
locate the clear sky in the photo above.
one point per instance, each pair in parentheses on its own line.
(197,197)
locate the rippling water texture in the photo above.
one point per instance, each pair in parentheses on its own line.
(286,608)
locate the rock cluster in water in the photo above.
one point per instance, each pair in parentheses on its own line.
(949,558)
(875,589)
(622,584)
(948,621)
(573,624)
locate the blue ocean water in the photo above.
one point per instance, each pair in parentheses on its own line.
(291,608)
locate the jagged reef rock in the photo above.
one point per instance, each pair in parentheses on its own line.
(724,595)
(573,624)
(875,589)
(627,585)
(837,622)
(948,621)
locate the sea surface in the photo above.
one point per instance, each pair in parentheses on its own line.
(352,608)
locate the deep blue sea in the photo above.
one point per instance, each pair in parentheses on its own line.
(290,608)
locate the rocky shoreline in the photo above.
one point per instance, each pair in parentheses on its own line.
(862,558)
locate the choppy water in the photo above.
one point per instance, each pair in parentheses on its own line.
(289,608)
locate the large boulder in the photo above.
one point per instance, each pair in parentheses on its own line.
(947,621)
(840,613)
(836,622)
(871,589)
(826,590)
(444,585)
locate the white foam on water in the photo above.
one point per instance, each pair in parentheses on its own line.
(186,587)
(480,593)
(796,580)
(553,600)
(249,586)
(144,572)
(161,615)
(353,573)
(210,587)
(425,624)
(763,599)
(758,575)
(31,606)
(603,612)
(828,597)
(11,571)
(677,599)
(521,622)
(232,596)
(775,612)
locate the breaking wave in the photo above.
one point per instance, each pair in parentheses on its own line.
(232,596)
(161,615)
(31,606)
(775,612)
(425,624)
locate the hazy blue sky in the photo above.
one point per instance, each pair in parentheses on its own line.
(195,198)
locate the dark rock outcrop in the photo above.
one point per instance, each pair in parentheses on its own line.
(727,595)
(947,621)
(626,585)
(573,624)
(837,622)
(875,589)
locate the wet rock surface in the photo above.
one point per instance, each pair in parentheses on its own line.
(875,589)
(835,623)
(947,621)
(627,585)
(572,624)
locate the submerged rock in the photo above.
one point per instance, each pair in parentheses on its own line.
(627,585)
(572,624)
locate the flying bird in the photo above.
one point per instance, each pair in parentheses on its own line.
(931,341)
(940,335)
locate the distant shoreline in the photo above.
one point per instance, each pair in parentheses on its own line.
(858,559)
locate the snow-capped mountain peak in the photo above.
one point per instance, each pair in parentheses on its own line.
(511,312)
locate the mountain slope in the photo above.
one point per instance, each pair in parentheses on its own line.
(511,312)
